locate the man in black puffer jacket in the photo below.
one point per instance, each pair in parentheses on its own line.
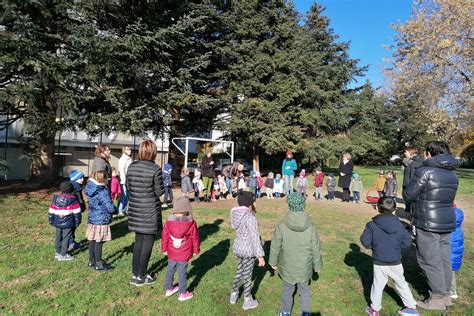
(432,191)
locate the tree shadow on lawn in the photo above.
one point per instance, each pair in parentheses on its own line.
(207,261)
(364,265)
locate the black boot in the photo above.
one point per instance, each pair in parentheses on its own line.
(101,266)
(91,264)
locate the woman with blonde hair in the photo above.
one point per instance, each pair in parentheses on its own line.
(345,173)
(145,186)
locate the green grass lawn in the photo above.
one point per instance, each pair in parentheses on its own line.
(32,282)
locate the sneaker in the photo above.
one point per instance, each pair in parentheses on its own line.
(171,291)
(185,296)
(66,257)
(57,255)
(148,280)
(91,264)
(435,302)
(408,311)
(133,280)
(164,205)
(136,281)
(454,294)
(76,245)
(369,310)
(282,313)
(234,296)
(249,303)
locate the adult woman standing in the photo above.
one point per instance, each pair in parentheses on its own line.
(288,169)
(101,160)
(345,174)
(207,172)
(145,186)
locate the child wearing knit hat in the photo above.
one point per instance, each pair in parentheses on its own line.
(77,180)
(247,247)
(295,252)
(179,241)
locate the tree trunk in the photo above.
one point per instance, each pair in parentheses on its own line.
(42,164)
(256,158)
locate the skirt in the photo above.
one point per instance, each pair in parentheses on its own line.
(99,233)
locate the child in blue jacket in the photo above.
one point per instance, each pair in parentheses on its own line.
(168,184)
(457,248)
(101,208)
(64,214)
(77,181)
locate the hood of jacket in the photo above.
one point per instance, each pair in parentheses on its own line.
(237,214)
(93,187)
(178,226)
(387,222)
(444,161)
(297,221)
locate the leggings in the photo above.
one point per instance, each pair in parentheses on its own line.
(346,195)
(95,251)
(243,274)
(207,182)
(142,253)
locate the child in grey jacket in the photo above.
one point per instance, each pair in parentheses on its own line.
(247,247)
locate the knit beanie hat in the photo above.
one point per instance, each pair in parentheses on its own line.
(66,187)
(296,202)
(182,205)
(75,175)
(167,167)
(356,176)
(246,198)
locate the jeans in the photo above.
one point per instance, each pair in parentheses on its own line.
(331,195)
(288,183)
(228,183)
(182,268)
(287,297)
(141,253)
(356,196)
(433,253)
(63,237)
(124,201)
(168,195)
(318,194)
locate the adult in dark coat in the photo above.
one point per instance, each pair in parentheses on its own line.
(432,190)
(411,162)
(345,174)
(231,172)
(145,186)
(207,172)
(101,160)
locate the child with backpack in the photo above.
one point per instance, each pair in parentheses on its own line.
(247,247)
(295,253)
(180,242)
(101,209)
(386,236)
(318,183)
(64,214)
(252,182)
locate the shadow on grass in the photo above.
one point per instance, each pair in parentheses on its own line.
(413,273)
(260,272)
(364,265)
(207,261)
(207,230)
(119,228)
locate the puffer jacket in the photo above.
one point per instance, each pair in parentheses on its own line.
(432,191)
(247,243)
(186,185)
(391,187)
(100,203)
(386,236)
(180,238)
(144,188)
(457,241)
(296,248)
(409,171)
(64,211)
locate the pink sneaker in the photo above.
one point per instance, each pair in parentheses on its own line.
(185,296)
(171,291)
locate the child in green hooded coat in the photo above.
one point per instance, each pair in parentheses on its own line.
(295,252)
(356,187)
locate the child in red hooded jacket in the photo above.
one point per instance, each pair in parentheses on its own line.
(179,241)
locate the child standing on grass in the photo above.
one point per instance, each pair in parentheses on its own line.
(457,248)
(295,252)
(386,236)
(278,186)
(168,184)
(179,241)
(331,185)
(247,247)
(356,187)
(391,186)
(318,183)
(222,187)
(240,183)
(64,214)
(259,184)
(252,182)
(269,183)
(100,216)
(198,186)
(77,180)
(186,187)
(302,183)
(115,189)
(380,183)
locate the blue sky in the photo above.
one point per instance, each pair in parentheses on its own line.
(366,24)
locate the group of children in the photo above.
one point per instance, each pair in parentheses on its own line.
(295,250)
